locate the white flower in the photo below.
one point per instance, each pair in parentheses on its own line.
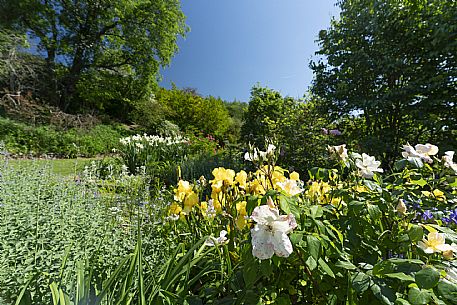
(251,156)
(427,149)
(290,187)
(211,241)
(269,235)
(340,151)
(421,151)
(367,166)
(270,149)
(435,242)
(448,161)
(401,207)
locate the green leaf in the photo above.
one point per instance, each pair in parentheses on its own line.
(400,276)
(311,262)
(401,301)
(372,186)
(356,206)
(415,233)
(427,278)
(266,268)
(360,282)
(252,202)
(314,246)
(283,300)
(421,182)
(418,296)
(448,291)
(383,293)
(326,267)
(316,211)
(289,205)
(383,267)
(400,164)
(374,211)
(345,265)
(296,238)
(250,271)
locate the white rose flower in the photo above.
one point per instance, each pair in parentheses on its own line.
(269,235)
(367,166)
(420,151)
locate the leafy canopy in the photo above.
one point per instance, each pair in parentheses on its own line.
(393,63)
(95,40)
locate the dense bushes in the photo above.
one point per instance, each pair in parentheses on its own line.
(22,139)
(296,124)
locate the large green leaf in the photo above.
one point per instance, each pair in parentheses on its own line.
(427,278)
(314,246)
(448,291)
(419,296)
(360,282)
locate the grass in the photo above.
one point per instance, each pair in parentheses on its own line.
(61,167)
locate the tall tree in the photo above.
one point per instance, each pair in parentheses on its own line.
(392,62)
(91,40)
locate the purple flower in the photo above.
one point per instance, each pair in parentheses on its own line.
(427,215)
(324,131)
(335,132)
(446,220)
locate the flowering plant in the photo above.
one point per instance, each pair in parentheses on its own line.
(350,234)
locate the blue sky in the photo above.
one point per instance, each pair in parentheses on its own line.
(234,44)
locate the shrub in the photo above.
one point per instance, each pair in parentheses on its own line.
(21,139)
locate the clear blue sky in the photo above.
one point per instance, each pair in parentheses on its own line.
(234,44)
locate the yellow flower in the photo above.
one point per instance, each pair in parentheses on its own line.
(174,209)
(241,178)
(360,189)
(278,177)
(241,208)
(203,207)
(190,201)
(184,189)
(319,191)
(435,242)
(240,220)
(222,177)
(216,202)
(294,176)
(437,194)
(256,188)
(337,201)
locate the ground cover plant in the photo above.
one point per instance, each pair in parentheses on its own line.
(61,232)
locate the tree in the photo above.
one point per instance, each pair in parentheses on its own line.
(89,41)
(393,63)
(266,110)
(19,71)
(192,112)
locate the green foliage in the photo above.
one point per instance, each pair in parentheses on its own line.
(21,139)
(237,112)
(266,112)
(297,125)
(115,48)
(392,64)
(194,113)
(352,241)
(50,226)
